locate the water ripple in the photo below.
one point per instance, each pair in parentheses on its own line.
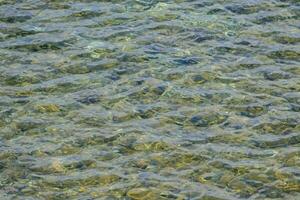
(152,99)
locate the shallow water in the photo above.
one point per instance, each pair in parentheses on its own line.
(136,99)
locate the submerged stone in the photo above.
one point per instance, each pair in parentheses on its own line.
(254,111)
(48,108)
(288,186)
(198,121)
(142,194)
(56,166)
(159,90)
(142,164)
(295,107)
(28,123)
(199,79)
(241,9)
(241,187)
(275,127)
(186,61)
(152,146)
(285,54)
(286,39)
(205,120)
(272,76)
(200,36)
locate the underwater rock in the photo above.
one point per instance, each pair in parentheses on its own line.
(241,9)
(199,121)
(205,120)
(12,15)
(271,192)
(246,43)
(287,39)
(295,107)
(152,146)
(87,96)
(142,164)
(241,188)
(48,108)
(159,90)
(56,166)
(280,141)
(253,110)
(272,76)
(142,194)
(89,99)
(226,178)
(21,78)
(217,11)
(198,79)
(279,127)
(288,186)
(27,123)
(200,37)
(187,61)
(285,54)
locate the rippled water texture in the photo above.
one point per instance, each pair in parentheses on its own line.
(149,100)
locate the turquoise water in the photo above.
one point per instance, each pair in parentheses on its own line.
(150,100)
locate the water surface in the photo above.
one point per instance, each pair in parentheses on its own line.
(136,99)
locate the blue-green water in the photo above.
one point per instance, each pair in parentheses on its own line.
(149,100)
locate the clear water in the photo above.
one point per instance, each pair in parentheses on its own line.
(136,99)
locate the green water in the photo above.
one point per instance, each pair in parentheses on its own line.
(149,100)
